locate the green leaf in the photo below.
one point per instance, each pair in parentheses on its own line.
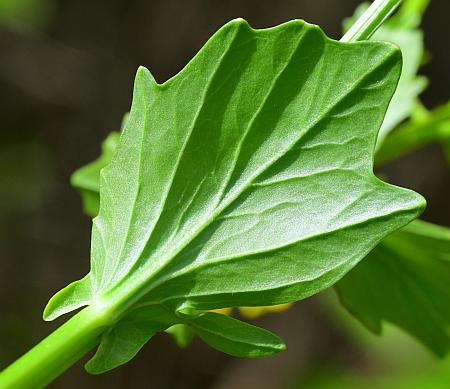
(402,30)
(246,179)
(75,295)
(405,280)
(235,337)
(123,341)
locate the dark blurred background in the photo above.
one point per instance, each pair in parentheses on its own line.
(66,74)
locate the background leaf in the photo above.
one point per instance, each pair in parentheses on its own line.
(401,29)
(429,127)
(405,281)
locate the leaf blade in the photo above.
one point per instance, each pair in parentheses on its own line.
(123,341)
(235,337)
(289,118)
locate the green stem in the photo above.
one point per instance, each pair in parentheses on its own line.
(371,20)
(61,349)
(53,355)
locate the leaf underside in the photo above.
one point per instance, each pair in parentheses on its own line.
(246,179)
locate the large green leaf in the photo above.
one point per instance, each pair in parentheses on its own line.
(247,178)
(429,127)
(405,280)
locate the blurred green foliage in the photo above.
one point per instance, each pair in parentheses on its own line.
(394,361)
(26,14)
(405,279)
(403,30)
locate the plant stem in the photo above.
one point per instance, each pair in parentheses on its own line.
(53,355)
(61,349)
(371,20)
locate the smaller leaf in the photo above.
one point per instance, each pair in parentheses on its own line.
(235,337)
(75,295)
(124,340)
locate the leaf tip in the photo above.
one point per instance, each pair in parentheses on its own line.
(74,296)
(419,204)
(47,314)
(144,75)
(239,23)
(280,346)
(92,367)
